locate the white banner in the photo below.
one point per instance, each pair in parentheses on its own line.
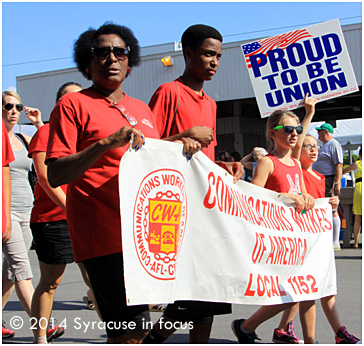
(285,67)
(189,233)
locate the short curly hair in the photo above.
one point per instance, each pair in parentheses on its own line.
(194,36)
(82,54)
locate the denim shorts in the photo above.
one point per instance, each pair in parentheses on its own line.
(52,242)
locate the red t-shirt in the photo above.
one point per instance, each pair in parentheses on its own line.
(7,157)
(93,207)
(193,110)
(314,186)
(284,179)
(44,209)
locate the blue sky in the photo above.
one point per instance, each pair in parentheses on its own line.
(38,37)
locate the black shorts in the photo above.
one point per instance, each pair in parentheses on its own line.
(52,242)
(329,183)
(107,280)
(196,311)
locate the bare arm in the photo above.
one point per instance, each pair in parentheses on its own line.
(310,111)
(202,134)
(57,195)
(262,172)
(7,202)
(34,115)
(245,161)
(350,168)
(67,169)
(338,175)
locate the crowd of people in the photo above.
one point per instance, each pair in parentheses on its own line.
(77,156)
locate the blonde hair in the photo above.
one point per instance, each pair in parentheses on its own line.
(275,119)
(11,93)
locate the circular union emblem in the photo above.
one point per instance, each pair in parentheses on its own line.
(159,222)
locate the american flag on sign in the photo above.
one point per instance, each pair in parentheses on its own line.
(267,44)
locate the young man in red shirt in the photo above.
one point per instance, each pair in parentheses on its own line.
(182,109)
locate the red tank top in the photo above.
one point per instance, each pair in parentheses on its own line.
(314,186)
(284,178)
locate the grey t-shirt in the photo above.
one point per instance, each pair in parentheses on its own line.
(21,192)
(329,156)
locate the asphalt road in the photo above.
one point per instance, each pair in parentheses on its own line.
(83,325)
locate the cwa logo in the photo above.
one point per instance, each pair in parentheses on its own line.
(159,222)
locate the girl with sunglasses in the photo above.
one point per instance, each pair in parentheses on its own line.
(306,150)
(280,172)
(16,266)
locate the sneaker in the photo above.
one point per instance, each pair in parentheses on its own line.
(344,337)
(291,331)
(337,247)
(282,337)
(7,333)
(243,336)
(157,308)
(54,333)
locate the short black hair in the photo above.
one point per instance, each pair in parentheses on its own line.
(64,86)
(82,54)
(194,36)
(223,156)
(236,156)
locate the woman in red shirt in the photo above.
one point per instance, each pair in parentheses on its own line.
(89,133)
(48,223)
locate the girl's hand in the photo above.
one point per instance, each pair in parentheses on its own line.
(309,104)
(299,200)
(309,201)
(34,115)
(334,202)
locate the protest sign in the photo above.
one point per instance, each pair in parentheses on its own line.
(190,233)
(285,67)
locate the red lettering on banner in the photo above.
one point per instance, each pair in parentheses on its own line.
(259,248)
(274,289)
(286,251)
(258,212)
(328,224)
(249,292)
(302,284)
(264,285)
(282,292)
(287,224)
(260,286)
(310,222)
(206,203)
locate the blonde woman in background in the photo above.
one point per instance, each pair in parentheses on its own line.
(357,199)
(16,266)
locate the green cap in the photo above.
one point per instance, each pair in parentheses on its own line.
(326,127)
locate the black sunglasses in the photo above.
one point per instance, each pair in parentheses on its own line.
(120,53)
(10,106)
(289,129)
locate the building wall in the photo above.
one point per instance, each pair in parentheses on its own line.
(237,129)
